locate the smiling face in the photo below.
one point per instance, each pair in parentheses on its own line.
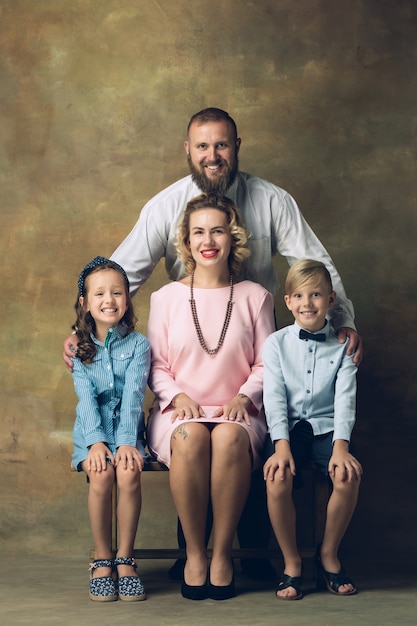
(105,299)
(212,150)
(210,238)
(309,304)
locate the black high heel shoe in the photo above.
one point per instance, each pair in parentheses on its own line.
(194,592)
(328,580)
(223,592)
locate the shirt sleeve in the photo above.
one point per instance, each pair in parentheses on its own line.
(263,327)
(145,245)
(296,240)
(153,236)
(161,380)
(136,378)
(345,399)
(275,395)
(88,412)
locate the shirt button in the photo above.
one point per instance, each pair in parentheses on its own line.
(310,349)
(308,371)
(122,356)
(108,367)
(308,390)
(111,384)
(304,412)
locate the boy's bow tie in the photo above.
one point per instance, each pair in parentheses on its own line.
(304,334)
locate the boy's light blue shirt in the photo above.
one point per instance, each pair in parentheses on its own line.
(111,392)
(311,380)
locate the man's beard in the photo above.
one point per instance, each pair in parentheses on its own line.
(221,184)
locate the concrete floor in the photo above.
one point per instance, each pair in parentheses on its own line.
(41,591)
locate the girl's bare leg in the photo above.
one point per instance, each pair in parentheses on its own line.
(128,511)
(99,509)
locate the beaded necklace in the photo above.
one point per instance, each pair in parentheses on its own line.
(197,326)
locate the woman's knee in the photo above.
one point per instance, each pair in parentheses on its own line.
(191,440)
(230,439)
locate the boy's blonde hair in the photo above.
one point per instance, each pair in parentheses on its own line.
(306,271)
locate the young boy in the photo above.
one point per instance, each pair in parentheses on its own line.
(310,400)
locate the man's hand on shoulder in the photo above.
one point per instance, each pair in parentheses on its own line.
(70,348)
(355,343)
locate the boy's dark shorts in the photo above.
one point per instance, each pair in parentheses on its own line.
(307,447)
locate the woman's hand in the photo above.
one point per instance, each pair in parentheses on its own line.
(185,408)
(127,456)
(236,410)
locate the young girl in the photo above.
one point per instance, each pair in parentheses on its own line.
(110,376)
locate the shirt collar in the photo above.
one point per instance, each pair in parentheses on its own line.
(325,330)
(120,331)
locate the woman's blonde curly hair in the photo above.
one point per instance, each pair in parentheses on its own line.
(239,251)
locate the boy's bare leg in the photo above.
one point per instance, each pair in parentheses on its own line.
(283,519)
(340,509)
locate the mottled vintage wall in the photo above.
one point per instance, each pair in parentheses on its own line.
(95,98)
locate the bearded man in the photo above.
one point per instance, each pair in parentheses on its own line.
(270,214)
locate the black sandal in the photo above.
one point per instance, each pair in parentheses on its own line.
(289,581)
(332,582)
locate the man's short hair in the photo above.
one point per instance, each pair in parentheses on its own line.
(212,115)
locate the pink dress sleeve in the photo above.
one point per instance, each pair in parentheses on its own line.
(161,380)
(264,326)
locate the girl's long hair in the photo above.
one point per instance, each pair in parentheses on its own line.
(85,325)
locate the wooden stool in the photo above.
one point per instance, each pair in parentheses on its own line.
(318,496)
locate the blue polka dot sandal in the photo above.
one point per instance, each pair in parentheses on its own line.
(131,588)
(102,588)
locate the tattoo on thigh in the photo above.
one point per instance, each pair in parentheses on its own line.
(180,430)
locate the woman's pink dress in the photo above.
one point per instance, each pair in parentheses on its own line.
(179,363)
